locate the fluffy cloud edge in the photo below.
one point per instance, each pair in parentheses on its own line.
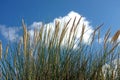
(10,33)
(72,15)
(13,31)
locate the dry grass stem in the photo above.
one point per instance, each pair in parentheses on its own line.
(79,21)
(64,30)
(35,36)
(77,24)
(7,48)
(115,37)
(71,31)
(83,30)
(113,48)
(49,35)
(19,46)
(57,27)
(24,37)
(51,55)
(107,35)
(99,36)
(0,50)
(31,53)
(94,33)
(41,33)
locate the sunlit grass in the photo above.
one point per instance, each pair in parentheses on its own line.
(52,56)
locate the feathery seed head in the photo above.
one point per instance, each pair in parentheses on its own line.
(24,36)
(7,49)
(115,37)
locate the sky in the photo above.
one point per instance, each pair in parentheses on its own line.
(33,12)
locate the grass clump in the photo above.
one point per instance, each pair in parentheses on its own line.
(51,55)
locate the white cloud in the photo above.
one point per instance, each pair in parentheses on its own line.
(35,25)
(10,33)
(65,19)
(13,31)
(88,28)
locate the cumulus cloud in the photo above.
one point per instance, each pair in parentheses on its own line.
(13,31)
(72,15)
(35,25)
(88,27)
(10,33)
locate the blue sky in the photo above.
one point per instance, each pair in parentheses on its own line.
(95,11)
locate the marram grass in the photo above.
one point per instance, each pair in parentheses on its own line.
(46,58)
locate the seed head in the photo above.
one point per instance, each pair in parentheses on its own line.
(115,37)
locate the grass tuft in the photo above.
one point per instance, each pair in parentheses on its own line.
(52,55)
